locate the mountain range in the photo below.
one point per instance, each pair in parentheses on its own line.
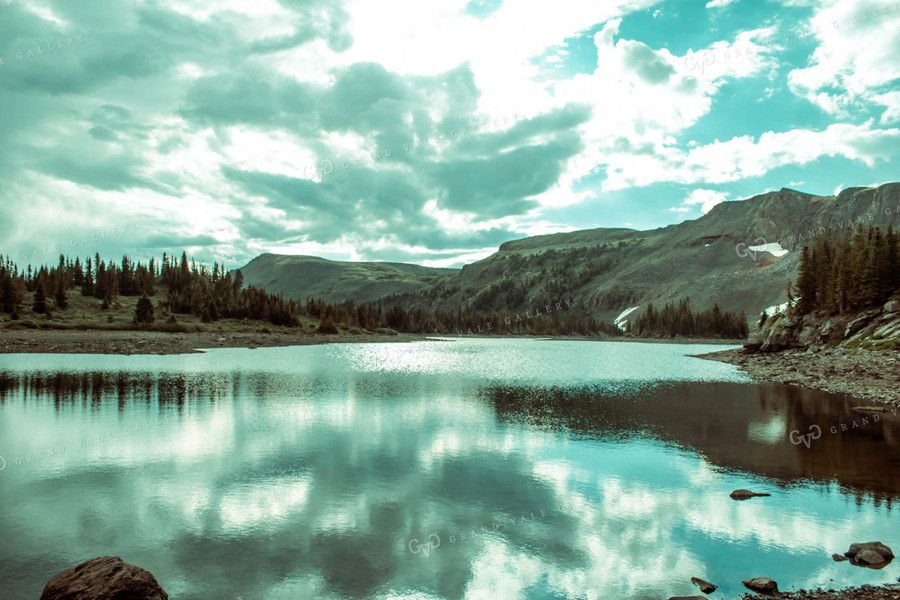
(741,255)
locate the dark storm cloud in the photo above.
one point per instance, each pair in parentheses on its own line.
(109,48)
(104,134)
(286,193)
(119,119)
(431,236)
(59,127)
(352,203)
(346,203)
(103,111)
(261,98)
(644,61)
(284,42)
(163,241)
(492,174)
(504,184)
(494,184)
(524,132)
(114,173)
(256,228)
(367,98)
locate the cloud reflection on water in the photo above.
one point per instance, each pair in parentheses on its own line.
(312,483)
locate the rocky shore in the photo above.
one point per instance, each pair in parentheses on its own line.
(866,374)
(61,341)
(866,592)
(861,373)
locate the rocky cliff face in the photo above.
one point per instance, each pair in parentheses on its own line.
(876,328)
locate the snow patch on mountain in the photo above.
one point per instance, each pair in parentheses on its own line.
(773,248)
(778,308)
(621,321)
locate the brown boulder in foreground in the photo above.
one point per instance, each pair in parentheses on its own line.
(745,494)
(101,578)
(761,584)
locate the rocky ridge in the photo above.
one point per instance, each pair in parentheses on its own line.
(875,328)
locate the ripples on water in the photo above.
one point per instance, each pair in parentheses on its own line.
(455,469)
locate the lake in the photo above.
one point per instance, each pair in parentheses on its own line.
(463,468)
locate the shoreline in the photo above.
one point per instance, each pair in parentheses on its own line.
(890,591)
(871,375)
(133,341)
(864,374)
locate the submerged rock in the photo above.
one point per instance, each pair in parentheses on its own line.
(705,586)
(745,494)
(761,584)
(102,578)
(839,557)
(687,598)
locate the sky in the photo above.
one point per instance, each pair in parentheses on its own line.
(425,132)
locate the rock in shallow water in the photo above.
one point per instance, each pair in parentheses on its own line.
(870,553)
(761,584)
(103,578)
(745,494)
(705,586)
(838,557)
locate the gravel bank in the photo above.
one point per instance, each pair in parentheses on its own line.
(866,592)
(156,342)
(864,374)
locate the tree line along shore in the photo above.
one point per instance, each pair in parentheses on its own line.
(836,275)
(181,296)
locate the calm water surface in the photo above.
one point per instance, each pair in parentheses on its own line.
(474,468)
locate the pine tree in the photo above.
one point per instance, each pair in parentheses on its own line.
(893,257)
(143,312)
(40,299)
(100,279)
(62,302)
(881,266)
(87,285)
(7,294)
(806,283)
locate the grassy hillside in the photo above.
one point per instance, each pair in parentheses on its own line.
(300,277)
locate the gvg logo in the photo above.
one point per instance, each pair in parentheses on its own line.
(815,432)
(434,540)
(752,251)
(425,549)
(691,63)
